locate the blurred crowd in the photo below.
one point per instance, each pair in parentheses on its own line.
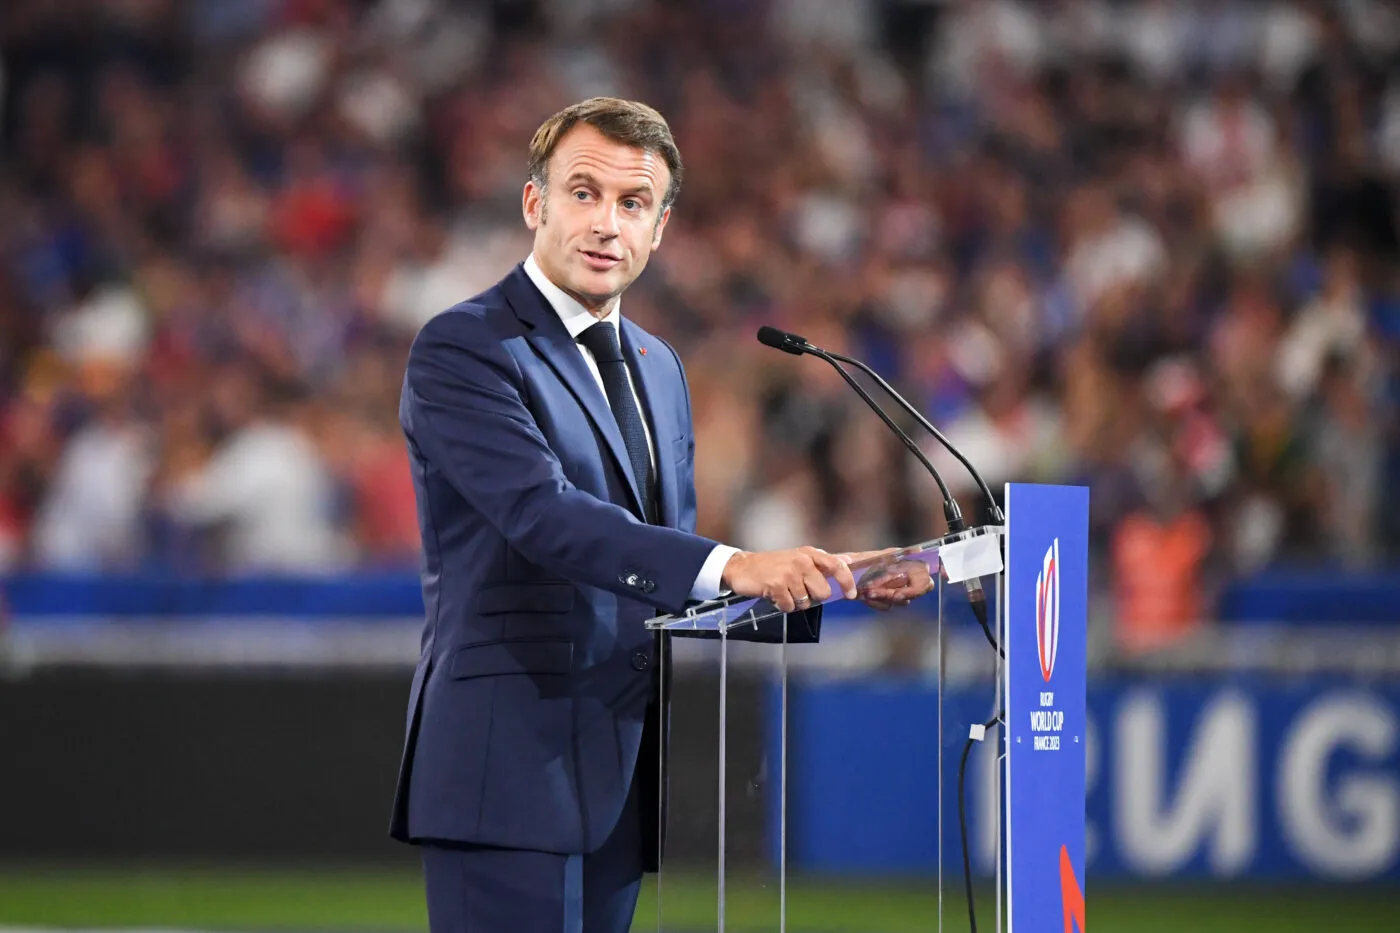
(1147,246)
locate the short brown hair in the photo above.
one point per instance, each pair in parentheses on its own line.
(629,122)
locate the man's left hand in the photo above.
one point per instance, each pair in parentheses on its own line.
(896,585)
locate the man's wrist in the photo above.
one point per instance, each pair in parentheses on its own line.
(709,583)
(730,566)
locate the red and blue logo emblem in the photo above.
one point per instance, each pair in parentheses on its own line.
(1047,610)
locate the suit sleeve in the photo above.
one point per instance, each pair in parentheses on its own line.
(465,412)
(802,627)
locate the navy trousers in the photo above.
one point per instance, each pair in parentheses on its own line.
(478,889)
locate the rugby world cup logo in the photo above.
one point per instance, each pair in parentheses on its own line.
(1047,610)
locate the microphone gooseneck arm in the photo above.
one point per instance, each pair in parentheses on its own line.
(797,346)
(997,516)
(951,512)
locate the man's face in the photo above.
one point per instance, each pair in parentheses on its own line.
(600,216)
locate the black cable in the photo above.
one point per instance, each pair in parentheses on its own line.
(962,819)
(992,639)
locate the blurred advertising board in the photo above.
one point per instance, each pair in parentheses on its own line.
(1187,778)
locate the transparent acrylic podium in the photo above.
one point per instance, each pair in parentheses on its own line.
(729,781)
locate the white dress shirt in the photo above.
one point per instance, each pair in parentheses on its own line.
(576,320)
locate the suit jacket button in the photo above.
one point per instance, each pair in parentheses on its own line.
(640,661)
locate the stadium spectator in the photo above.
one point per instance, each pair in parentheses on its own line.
(265,491)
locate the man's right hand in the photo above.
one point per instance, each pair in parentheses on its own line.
(792,579)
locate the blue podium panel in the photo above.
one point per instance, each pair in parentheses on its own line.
(1045,639)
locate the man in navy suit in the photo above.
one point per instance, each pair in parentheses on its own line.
(552,451)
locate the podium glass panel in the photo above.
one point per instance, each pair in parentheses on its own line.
(686,897)
(724,784)
(731,775)
(970,755)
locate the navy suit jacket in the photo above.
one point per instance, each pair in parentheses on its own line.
(536,684)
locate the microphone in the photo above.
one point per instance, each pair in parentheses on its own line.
(782,340)
(798,346)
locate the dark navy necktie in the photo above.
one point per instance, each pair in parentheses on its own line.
(601,341)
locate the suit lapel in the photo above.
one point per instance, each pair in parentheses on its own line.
(552,342)
(653,389)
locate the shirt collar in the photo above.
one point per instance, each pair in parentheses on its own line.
(574,315)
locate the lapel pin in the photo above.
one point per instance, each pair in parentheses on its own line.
(642,351)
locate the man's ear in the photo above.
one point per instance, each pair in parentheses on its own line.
(532,204)
(660,228)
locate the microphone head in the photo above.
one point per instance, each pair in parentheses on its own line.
(781,340)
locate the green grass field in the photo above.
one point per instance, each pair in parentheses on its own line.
(386,901)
